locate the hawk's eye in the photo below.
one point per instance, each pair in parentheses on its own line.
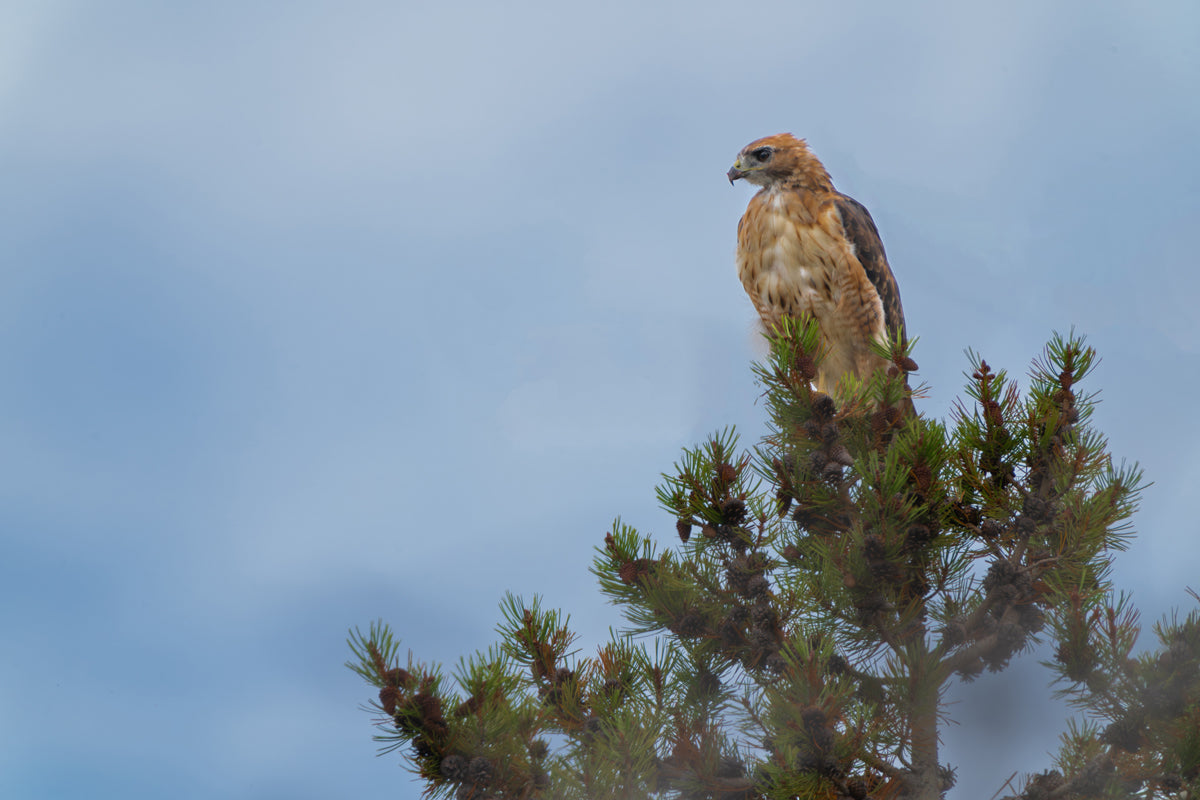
(762,153)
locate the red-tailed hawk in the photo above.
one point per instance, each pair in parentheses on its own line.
(804,246)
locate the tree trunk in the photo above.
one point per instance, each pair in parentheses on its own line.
(926,781)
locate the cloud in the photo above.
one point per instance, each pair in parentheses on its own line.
(303,302)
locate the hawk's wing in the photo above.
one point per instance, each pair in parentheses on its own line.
(861,232)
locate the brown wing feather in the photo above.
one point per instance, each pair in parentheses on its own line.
(861,232)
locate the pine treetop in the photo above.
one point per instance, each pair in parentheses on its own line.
(827,586)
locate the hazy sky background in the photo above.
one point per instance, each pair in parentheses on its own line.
(317,313)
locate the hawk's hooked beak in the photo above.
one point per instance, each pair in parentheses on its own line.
(734,173)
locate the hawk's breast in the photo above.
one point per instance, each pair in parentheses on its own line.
(794,257)
(786,261)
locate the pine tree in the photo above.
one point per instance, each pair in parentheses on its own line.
(827,588)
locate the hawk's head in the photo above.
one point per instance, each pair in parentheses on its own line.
(781,159)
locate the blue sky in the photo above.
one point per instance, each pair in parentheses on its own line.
(317,313)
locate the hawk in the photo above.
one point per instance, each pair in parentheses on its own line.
(805,247)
